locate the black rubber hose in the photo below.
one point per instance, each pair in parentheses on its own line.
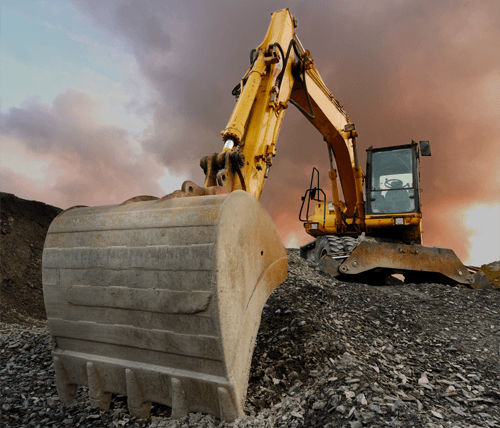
(293,44)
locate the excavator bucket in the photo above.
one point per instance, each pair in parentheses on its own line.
(160,300)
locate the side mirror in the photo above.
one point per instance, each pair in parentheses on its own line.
(425,148)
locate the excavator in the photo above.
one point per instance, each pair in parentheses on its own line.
(160,299)
(370,242)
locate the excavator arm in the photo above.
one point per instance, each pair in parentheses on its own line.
(333,123)
(282,72)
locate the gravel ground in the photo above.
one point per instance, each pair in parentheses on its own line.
(328,354)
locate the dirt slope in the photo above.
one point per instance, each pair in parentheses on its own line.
(23,228)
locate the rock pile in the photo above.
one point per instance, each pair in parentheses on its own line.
(28,396)
(328,354)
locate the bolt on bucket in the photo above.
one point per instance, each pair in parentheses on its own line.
(160,300)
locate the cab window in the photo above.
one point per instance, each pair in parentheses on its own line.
(392,182)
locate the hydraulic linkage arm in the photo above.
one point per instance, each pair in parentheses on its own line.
(281,71)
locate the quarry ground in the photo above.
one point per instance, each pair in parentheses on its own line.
(328,354)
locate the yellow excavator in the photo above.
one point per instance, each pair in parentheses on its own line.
(160,299)
(369,242)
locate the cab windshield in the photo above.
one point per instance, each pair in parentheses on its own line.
(392,182)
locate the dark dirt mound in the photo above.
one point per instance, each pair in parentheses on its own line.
(23,228)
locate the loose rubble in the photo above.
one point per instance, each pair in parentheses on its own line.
(28,396)
(328,354)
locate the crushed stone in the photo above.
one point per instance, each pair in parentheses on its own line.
(328,354)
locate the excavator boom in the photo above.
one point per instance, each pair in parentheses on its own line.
(282,72)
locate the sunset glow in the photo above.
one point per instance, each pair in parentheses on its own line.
(483,226)
(291,241)
(169,182)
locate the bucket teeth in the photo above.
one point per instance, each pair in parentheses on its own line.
(136,405)
(97,396)
(66,390)
(226,405)
(180,406)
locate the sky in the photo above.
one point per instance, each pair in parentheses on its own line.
(103,101)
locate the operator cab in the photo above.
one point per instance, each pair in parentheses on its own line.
(392,179)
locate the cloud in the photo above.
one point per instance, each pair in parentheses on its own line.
(87,161)
(403,70)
